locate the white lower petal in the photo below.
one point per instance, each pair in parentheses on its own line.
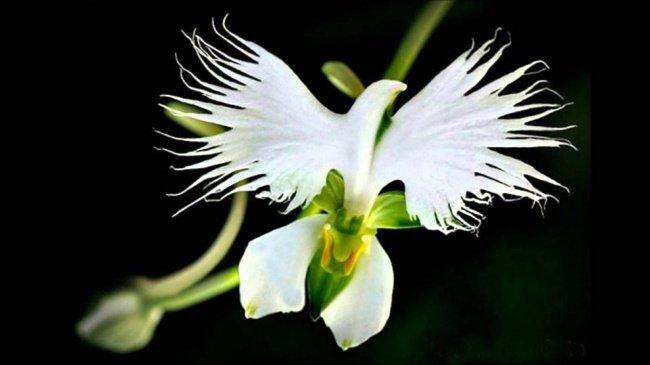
(361,310)
(273,268)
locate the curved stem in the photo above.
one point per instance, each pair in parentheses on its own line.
(205,289)
(175,283)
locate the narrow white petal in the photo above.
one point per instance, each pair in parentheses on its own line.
(361,310)
(274,266)
(440,144)
(362,123)
(278,128)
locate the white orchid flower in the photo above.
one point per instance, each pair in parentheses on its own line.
(283,143)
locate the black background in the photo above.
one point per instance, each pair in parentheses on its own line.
(520,293)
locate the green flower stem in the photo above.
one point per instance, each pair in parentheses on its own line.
(207,288)
(175,283)
(427,20)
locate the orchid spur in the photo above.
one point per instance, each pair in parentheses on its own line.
(284,144)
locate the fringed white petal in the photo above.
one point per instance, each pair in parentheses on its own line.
(273,269)
(280,135)
(361,310)
(440,143)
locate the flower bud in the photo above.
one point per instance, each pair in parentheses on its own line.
(121,321)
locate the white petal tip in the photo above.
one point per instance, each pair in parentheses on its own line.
(250,311)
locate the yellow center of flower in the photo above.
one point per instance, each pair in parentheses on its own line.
(342,250)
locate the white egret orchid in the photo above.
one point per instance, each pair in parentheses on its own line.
(283,143)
